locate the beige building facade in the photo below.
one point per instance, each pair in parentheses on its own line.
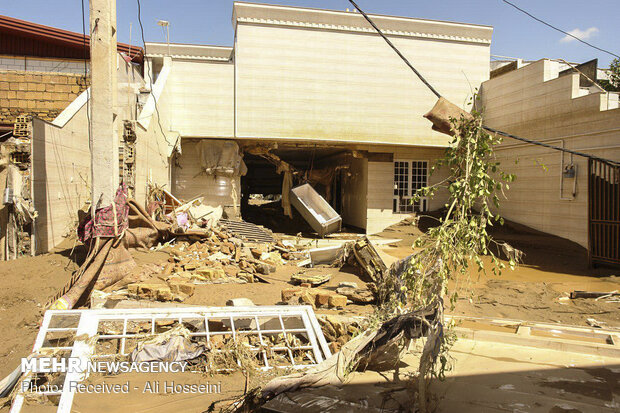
(320,89)
(550,193)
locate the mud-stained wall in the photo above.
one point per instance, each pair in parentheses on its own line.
(61,160)
(535,103)
(61,178)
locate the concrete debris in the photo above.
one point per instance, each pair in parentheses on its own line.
(317,298)
(338,330)
(357,295)
(311,279)
(349,284)
(174,291)
(369,260)
(240,302)
(333,256)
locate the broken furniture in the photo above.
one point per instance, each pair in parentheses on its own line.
(369,259)
(315,210)
(280,336)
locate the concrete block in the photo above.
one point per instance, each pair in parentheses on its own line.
(322,298)
(211,273)
(240,302)
(181,287)
(289,293)
(337,300)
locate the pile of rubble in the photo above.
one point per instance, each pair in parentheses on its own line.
(338,330)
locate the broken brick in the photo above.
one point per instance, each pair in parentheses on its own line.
(337,300)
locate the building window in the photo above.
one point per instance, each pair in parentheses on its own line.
(409,176)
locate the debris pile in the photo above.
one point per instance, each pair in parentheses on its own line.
(223,258)
(315,297)
(338,330)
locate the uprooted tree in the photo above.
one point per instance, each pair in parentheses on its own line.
(448,251)
(411,293)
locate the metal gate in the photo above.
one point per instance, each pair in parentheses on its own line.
(603,212)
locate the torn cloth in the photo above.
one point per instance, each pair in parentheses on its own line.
(169,346)
(110,221)
(287,185)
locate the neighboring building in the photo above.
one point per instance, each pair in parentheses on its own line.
(322,91)
(544,102)
(42,69)
(46,155)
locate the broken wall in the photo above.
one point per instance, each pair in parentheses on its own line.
(61,160)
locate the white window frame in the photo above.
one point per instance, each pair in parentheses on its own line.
(397,200)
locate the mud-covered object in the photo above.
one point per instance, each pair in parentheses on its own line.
(172,345)
(442,113)
(221,158)
(110,221)
(143,231)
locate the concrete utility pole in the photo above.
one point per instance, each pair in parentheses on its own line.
(104,139)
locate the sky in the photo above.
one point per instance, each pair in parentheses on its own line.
(515,34)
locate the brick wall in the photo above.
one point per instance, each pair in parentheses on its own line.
(39,94)
(33,64)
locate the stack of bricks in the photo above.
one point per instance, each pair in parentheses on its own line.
(39,94)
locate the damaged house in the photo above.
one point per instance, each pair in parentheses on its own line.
(45,133)
(314,96)
(304,96)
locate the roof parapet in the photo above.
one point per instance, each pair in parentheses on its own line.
(255,13)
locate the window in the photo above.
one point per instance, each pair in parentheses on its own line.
(409,176)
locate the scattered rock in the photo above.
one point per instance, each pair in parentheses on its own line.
(240,302)
(357,295)
(182,287)
(337,300)
(210,273)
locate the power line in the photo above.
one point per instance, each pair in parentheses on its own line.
(559,30)
(492,130)
(546,145)
(432,89)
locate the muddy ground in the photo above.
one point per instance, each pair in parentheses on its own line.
(552,268)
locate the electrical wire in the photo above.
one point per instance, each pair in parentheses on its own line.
(431,88)
(546,145)
(489,129)
(559,30)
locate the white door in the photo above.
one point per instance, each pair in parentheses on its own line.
(409,176)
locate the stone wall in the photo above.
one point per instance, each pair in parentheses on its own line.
(39,94)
